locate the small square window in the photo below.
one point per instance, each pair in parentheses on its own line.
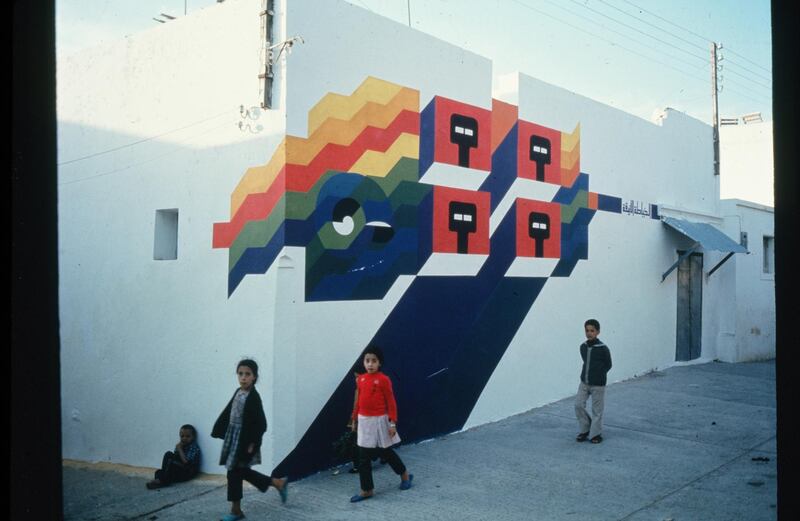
(166,235)
(769,254)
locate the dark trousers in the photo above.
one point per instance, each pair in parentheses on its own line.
(355,456)
(238,475)
(173,470)
(365,464)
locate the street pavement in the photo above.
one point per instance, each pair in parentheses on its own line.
(692,442)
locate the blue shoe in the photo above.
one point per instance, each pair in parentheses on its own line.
(232,517)
(358,497)
(406,484)
(284,492)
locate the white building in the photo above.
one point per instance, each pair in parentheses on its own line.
(393,191)
(746,162)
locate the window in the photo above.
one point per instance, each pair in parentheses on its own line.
(166,235)
(769,255)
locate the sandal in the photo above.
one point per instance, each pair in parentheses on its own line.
(597,439)
(358,497)
(406,484)
(232,517)
(582,436)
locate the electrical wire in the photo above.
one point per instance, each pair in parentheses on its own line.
(638,30)
(749,79)
(684,40)
(744,87)
(149,160)
(134,143)
(705,38)
(705,61)
(749,61)
(615,44)
(651,25)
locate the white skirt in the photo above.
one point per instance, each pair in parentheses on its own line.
(373,432)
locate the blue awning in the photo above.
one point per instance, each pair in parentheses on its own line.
(707,235)
(704,236)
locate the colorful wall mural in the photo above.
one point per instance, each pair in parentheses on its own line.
(354,195)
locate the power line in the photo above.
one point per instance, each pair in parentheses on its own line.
(749,61)
(725,49)
(651,25)
(679,38)
(607,40)
(638,30)
(149,160)
(127,145)
(751,98)
(734,72)
(705,62)
(705,38)
(744,87)
(750,79)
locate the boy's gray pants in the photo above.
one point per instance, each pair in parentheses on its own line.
(594,424)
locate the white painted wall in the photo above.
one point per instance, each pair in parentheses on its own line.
(148,345)
(754,311)
(620,284)
(626,155)
(746,162)
(336,58)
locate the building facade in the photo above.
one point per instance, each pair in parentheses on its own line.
(295,189)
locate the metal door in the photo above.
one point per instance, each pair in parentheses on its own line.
(690,307)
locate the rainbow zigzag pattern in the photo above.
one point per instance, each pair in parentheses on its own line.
(370,149)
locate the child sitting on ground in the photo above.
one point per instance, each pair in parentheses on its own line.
(181,465)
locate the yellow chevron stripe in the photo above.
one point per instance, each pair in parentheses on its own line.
(259,178)
(571,148)
(344,107)
(378,164)
(302,151)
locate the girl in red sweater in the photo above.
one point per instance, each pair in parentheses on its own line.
(375,421)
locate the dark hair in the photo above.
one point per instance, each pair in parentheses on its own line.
(251,364)
(190,428)
(373,349)
(592,322)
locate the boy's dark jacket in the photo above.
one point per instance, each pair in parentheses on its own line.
(254,425)
(599,365)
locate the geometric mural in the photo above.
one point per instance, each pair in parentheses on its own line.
(353,194)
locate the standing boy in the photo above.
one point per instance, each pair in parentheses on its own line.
(596,364)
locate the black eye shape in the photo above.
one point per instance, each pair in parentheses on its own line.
(345,208)
(382,232)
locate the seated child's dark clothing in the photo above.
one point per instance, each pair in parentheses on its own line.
(174,470)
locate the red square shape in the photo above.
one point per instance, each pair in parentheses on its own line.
(460,221)
(462,131)
(538,227)
(538,153)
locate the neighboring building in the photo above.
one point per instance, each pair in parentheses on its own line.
(746,161)
(748,331)
(388,195)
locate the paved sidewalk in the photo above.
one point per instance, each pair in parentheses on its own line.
(693,442)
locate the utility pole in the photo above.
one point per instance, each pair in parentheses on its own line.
(267,15)
(715,105)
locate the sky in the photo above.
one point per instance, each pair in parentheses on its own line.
(636,55)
